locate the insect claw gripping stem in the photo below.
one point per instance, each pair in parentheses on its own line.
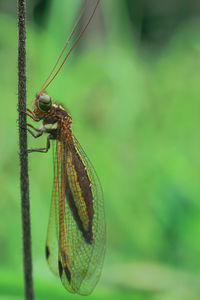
(23,127)
(22,153)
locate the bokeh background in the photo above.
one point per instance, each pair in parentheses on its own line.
(132,87)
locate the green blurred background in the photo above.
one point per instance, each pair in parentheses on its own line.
(132,87)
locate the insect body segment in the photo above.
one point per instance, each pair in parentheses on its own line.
(76,233)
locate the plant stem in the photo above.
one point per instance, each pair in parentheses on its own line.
(24,180)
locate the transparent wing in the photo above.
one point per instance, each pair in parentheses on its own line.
(52,234)
(78,224)
(57,247)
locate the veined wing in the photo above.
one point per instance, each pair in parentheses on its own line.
(57,243)
(52,234)
(79,215)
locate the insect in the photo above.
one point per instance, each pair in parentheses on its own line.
(75,243)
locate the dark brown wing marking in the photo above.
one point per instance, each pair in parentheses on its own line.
(87,234)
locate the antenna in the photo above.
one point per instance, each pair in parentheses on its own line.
(46,83)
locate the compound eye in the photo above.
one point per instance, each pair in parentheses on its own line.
(45,102)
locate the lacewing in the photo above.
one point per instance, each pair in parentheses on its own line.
(75,243)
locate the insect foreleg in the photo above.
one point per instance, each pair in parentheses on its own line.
(30,114)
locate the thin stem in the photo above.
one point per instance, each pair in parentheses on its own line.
(24,180)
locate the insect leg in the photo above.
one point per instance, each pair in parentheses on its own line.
(30,114)
(36,129)
(42,150)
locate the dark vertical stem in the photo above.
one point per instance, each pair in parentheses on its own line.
(24,180)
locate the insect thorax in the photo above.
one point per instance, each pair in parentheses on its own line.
(56,118)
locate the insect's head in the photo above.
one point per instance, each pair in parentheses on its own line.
(42,105)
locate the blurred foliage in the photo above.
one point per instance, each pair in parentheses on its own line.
(136,114)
